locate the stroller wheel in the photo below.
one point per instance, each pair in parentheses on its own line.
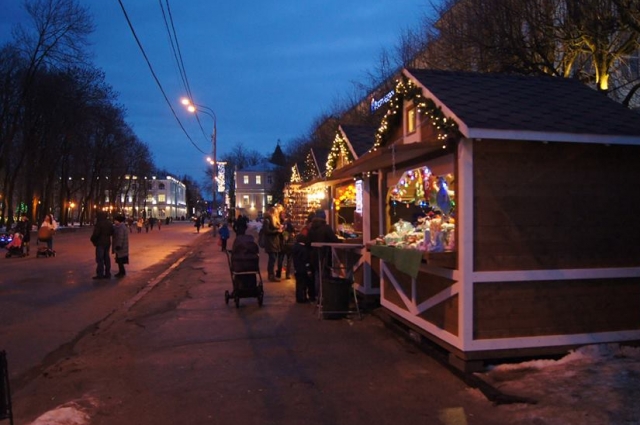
(237,300)
(226,297)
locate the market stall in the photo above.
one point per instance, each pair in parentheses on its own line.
(498,238)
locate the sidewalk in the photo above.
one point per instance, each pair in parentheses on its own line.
(179,354)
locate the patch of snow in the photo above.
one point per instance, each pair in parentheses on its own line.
(71,413)
(593,385)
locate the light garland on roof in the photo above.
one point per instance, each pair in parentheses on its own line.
(339,150)
(406,89)
(310,170)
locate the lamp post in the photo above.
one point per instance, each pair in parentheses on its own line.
(192,107)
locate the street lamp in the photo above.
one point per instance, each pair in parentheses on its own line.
(193,107)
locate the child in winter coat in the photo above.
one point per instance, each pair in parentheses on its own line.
(224,236)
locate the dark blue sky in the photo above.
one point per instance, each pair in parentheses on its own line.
(267,68)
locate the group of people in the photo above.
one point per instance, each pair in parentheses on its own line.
(291,249)
(22,235)
(110,238)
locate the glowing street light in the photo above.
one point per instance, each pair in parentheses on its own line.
(193,107)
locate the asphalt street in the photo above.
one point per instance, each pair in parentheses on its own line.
(176,352)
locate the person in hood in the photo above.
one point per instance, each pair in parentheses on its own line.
(101,239)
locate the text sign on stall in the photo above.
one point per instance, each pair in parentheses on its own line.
(359,196)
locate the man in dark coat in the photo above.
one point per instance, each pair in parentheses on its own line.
(101,239)
(320,231)
(240,225)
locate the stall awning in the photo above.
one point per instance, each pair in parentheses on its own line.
(385,157)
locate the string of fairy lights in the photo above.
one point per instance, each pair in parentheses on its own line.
(407,90)
(340,154)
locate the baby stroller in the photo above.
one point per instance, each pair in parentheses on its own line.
(45,234)
(15,247)
(244,266)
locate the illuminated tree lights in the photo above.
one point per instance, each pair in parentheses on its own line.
(310,170)
(339,156)
(406,89)
(295,174)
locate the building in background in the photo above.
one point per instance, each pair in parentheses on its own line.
(163,198)
(253,189)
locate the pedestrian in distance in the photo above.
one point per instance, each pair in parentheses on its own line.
(240,225)
(272,240)
(288,239)
(101,239)
(146,226)
(197,224)
(224,236)
(47,230)
(139,224)
(120,244)
(24,228)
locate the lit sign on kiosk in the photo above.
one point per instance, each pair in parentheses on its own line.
(359,196)
(376,104)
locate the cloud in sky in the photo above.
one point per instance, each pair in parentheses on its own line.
(267,68)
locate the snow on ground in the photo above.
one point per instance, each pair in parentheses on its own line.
(594,385)
(72,413)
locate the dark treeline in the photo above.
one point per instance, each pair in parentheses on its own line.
(65,147)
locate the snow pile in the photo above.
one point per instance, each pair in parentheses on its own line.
(72,413)
(594,385)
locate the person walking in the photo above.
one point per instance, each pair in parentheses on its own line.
(240,226)
(101,239)
(198,223)
(224,236)
(47,230)
(139,224)
(120,244)
(24,228)
(272,240)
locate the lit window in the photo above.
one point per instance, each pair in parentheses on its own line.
(162,197)
(269,199)
(245,179)
(411,120)
(258,179)
(245,199)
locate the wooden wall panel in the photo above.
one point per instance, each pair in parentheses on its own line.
(391,295)
(444,315)
(555,205)
(555,307)
(429,285)
(403,279)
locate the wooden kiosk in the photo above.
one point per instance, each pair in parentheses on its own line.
(545,255)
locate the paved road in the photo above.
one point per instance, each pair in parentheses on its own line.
(47,302)
(176,353)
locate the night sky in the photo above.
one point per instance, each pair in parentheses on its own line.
(267,68)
